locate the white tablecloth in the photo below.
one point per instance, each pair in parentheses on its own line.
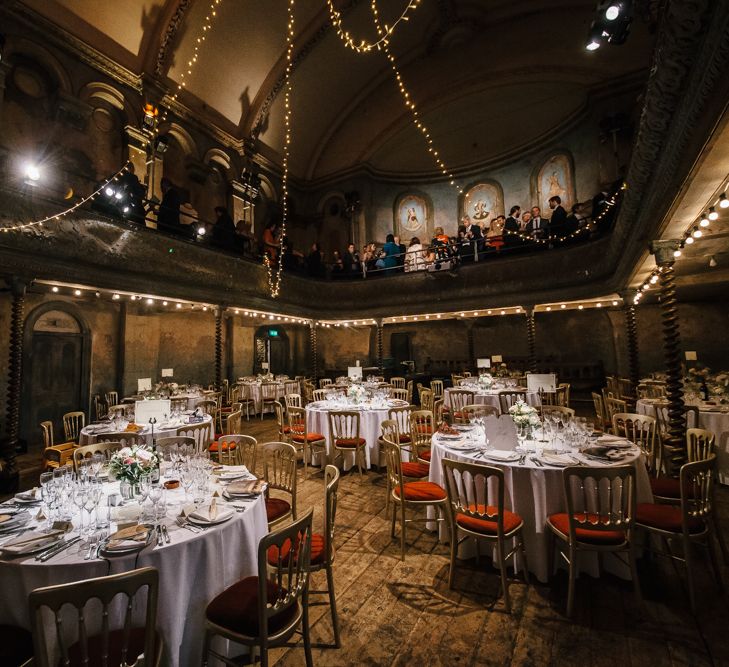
(257,394)
(317,421)
(489,397)
(193,569)
(710,418)
(192,399)
(89,434)
(533,493)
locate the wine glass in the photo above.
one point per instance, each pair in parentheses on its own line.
(145,484)
(97,461)
(187,478)
(155,495)
(80,493)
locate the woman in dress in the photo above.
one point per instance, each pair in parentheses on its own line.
(415,256)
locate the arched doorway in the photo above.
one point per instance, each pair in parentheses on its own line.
(272,347)
(56,368)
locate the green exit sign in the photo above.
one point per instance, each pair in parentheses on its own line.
(273,333)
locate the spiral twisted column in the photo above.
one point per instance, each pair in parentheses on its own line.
(532,339)
(631,324)
(218,348)
(471,363)
(674,441)
(8,445)
(380,347)
(313,352)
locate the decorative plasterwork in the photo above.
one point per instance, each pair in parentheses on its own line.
(168,37)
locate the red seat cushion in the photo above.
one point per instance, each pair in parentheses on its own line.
(422,428)
(95,647)
(425,455)
(350,443)
(665,517)
(309,437)
(459,415)
(16,645)
(236,608)
(286,429)
(415,469)
(276,508)
(404,437)
(318,551)
(485,526)
(561,523)
(422,491)
(667,487)
(226,446)
(219,435)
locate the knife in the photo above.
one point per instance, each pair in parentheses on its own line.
(166,534)
(61,547)
(160,542)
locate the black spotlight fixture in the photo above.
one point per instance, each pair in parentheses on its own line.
(611,24)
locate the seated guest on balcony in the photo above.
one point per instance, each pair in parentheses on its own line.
(315,262)
(473,236)
(270,242)
(351,262)
(135,193)
(223,229)
(463,245)
(415,256)
(369,256)
(388,255)
(168,214)
(511,227)
(559,217)
(440,245)
(494,236)
(537,225)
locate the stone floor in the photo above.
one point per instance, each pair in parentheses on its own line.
(402,613)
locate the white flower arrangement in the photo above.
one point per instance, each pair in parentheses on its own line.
(131,463)
(485,381)
(357,393)
(523,414)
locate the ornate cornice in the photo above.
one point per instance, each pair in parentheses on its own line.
(168,37)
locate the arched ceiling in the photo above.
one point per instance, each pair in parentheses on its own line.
(489,78)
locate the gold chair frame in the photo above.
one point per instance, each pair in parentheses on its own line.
(279,471)
(345,425)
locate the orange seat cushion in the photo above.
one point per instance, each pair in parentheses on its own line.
(486,526)
(422,491)
(286,429)
(318,551)
(422,428)
(276,508)
(226,446)
(415,469)
(459,415)
(425,455)
(309,437)
(667,487)
(561,523)
(350,443)
(236,608)
(665,517)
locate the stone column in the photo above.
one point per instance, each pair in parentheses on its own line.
(631,327)
(380,346)
(674,441)
(313,355)
(469,342)
(8,465)
(121,348)
(219,347)
(531,339)
(229,348)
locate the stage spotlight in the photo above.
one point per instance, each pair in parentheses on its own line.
(613,11)
(723,201)
(713,214)
(32,172)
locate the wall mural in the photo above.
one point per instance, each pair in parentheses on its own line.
(413,217)
(555,178)
(483,202)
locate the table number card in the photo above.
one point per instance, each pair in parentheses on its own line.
(168,372)
(144,384)
(497,358)
(691,356)
(354,372)
(483,363)
(546,382)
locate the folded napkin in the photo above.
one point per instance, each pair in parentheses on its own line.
(229,473)
(559,460)
(500,455)
(34,540)
(125,538)
(614,441)
(211,513)
(246,487)
(604,453)
(33,494)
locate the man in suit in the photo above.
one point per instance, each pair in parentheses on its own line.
(537,227)
(559,217)
(472,233)
(511,227)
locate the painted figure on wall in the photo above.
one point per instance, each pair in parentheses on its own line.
(483,202)
(555,179)
(412,213)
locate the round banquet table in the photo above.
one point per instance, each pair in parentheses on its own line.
(89,434)
(370,421)
(257,393)
(714,418)
(488,396)
(193,569)
(534,493)
(192,399)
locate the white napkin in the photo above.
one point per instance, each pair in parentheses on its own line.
(210,513)
(500,455)
(33,494)
(123,539)
(235,472)
(614,441)
(558,459)
(34,540)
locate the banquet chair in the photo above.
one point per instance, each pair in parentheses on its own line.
(602,423)
(409,494)
(302,439)
(614,406)
(507,398)
(426,399)
(54,456)
(87,451)
(455,379)
(293,400)
(231,421)
(412,468)
(558,397)
(292,387)
(111,398)
(123,646)
(466,374)
(651,391)
(690,417)
(324,382)
(641,431)
(565,393)
(124,438)
(201,433)
(122,410)
(421,434)
(309,389)
(465,485)
(266,610)
(269,395)
(176,441)
(625,390)
(224,449)
(319,395)
(178,404)
(409,388)
(344,431)
(246,399)
(73,422)
(398,394)
(459,398)
(279,471)
(208,406)
(436,386)
(564,413)
(402,416)
(282,422)
(378,378)
(322,547)
(99,407)
(440,411)
(246,449)
(600,517)
(476,410)
(691,522)
(398,382)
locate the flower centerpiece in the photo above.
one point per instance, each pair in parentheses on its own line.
(485,381)
(129,464)
(357,393)
(265,377)
(524,415)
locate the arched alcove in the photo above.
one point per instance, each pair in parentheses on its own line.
(271,344)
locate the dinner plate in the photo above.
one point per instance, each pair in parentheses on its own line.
(25,500)
(128,549)
(15,522)
(449,436)
(33,547)
(221,519)
(502,457)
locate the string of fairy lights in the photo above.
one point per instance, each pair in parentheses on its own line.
(363,46)
(275,273)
